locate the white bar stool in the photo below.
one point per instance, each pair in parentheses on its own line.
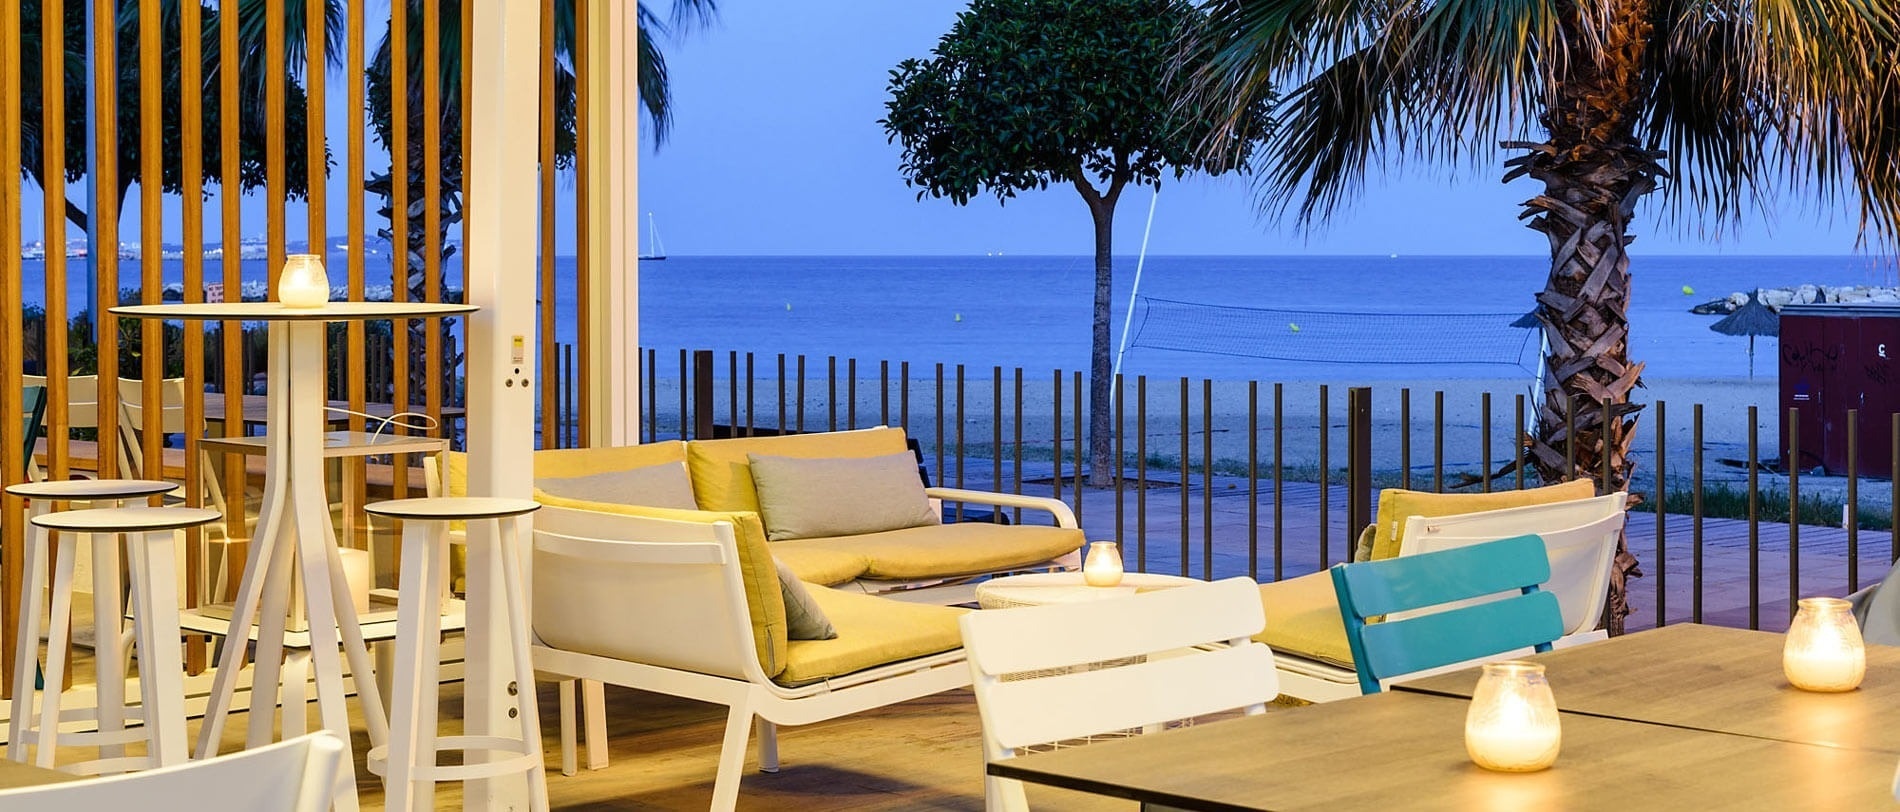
(110,712)
(149,535)
(408,762)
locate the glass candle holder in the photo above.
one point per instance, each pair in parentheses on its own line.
(303,282)
(1103,566)
(1512,725)
(1824,651)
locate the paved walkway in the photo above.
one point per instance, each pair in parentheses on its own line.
(1224,533)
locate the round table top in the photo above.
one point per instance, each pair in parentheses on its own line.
(127,520)
(90,489)
(1044,588)
(453,507)
(273,311)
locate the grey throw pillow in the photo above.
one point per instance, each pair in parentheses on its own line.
(815,498)
(804,620)
(666,485)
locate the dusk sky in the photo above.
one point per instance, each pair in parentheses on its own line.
(777,150)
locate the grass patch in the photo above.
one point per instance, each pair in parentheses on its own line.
(1723,501)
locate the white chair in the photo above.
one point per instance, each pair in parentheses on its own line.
(1051,674)
(592,570)
(298,775)
(1580,539)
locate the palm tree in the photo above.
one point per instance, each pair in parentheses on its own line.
(1718,102)
(684,15)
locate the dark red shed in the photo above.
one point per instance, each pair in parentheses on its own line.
(1836,358)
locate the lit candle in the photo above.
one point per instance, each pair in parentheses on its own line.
(303,282)
(1824,651)
(1512,725)
(1103,566)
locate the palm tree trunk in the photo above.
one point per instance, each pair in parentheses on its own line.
(1594,171)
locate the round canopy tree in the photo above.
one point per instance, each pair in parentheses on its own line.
(1021,94)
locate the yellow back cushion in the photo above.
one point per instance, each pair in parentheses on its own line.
(1396,504)
(722,476)
(562,463)
(764,601)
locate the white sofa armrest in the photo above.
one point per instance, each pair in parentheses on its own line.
(1055,507)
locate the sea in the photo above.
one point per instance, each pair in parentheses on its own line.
(1034,311)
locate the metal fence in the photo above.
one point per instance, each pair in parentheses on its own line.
(1223,478)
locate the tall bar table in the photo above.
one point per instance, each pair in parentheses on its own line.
(294,523)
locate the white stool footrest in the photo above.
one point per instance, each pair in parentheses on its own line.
(523,760)
(101,766)
(93,738)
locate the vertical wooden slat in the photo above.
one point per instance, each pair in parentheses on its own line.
(151,231)
(548,318)
(432,203)
(316,161)
(275,79)
(353,117)
(191,220)
(455,331)
(401,80)
(53,169)
(231,333)
(105,251)
(583,287)
(12,328)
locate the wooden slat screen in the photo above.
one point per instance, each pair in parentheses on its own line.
(229,135)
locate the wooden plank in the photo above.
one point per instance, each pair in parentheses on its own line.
(550,408)
(53,171)
(275,112)
(1317,758)
(191,128)
(104,247)
(400,83)
(230,333)
(14,775)
(432,201)
(151,224)
(12,333)
(353,115)
(1716,679)
(583,234)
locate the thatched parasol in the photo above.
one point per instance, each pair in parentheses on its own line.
(1751,319)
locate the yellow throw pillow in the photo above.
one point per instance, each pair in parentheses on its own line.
(1397,504)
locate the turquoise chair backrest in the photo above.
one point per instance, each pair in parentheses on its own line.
(1373,588)
(33,416)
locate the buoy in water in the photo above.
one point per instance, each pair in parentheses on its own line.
(1292,326)
(1688,291)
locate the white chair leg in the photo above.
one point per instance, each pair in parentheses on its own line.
(58,640)
(594,716)
(768,746)
(732,756)
(569,758)
(1004,795)
(27,648)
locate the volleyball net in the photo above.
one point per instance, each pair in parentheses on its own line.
(1336,337)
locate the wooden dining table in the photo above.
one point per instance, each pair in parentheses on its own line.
(1711,678)
(1654,720)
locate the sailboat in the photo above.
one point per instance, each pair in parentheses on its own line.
(656,250)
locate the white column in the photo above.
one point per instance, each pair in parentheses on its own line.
(613,165)
(502,213)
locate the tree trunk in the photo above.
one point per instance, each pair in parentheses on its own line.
(1594,171)
(1102,462)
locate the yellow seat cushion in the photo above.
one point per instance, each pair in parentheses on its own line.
(764,601)
(564,463)
(872,631)
(822,565)
(1397,504)
(1303,619)
(722,475)
(943,550)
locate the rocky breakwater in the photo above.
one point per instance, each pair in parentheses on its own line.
(1777,298)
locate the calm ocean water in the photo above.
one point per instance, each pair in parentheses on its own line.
(1033,312)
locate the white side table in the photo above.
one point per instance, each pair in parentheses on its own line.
(294,523)
(108,617)
(150,542)
(408,763)
(1044,588)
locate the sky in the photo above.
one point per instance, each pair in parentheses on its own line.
(776,149)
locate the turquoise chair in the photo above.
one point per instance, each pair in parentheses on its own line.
(1407,642)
